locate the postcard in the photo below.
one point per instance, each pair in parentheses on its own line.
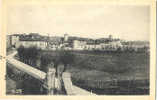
(78,49)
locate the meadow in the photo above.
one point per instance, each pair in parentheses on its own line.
(110,72)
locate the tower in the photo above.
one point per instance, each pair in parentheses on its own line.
(110,37)
(66,37)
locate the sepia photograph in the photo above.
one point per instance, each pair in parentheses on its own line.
(78,49)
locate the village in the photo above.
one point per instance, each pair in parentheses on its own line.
(74,43)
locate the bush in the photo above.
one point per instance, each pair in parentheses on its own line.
(21,53)
(59,57)
(66,57)
(45,60)
(28,55)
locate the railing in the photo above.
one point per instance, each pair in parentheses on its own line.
(27,69)
(48,79)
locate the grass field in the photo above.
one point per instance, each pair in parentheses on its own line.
(123,67)
(98,72)
(110,72)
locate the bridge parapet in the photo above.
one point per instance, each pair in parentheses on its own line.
(47,78)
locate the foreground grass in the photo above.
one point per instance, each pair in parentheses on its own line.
(130,70)
(110,73)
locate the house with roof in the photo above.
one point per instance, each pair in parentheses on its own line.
(55,43)
(8,38)
(14,39)
(68,42)
(79,45)
(28,41)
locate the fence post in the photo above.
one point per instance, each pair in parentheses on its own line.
(50,77)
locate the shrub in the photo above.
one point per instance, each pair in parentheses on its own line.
(45,60)
(59,57)
(28,55)
(66,57)
(21,52)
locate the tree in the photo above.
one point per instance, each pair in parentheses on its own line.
(46,59)
(21,52)
(33,53)
(66,57)
(62,56)
(28,55)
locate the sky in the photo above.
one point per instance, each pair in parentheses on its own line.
(127,22)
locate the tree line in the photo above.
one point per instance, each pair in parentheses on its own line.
(32,54)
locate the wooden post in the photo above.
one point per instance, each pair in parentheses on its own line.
(50,77)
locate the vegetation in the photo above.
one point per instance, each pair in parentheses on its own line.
(28,55)
(93,72)
(32,54)
(60,56)
(89,69)
(17,79)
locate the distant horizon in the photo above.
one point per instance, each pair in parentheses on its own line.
(127,22)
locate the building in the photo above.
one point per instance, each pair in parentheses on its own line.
(98,47)
(31,40)
(90,46)
(111,46)
(55,43)
(116,44)
(79,45)
(12,40)
(41,42)
(66,36)
(37,43)
(8,42)
(66,42)
(136,45)
(15,40)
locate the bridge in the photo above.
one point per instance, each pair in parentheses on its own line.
(48,80)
